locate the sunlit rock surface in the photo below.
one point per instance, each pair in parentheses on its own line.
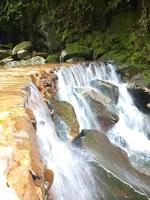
(22,172)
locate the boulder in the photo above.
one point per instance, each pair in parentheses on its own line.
(38,60)
(77,49)
(107,89)
(4,53)
(42,54)
(24,54)
(26,45)
(101,106)
(33,61)
(52,59)
(65,119)
(6,60)
(141,96)
(115,174)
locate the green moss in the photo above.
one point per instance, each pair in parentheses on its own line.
(26,45)
(52,59)
(146,76)
(66,111)
(78,49)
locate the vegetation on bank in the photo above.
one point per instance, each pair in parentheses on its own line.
(116,30)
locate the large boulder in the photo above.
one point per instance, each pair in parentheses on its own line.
(107,89)
(77,50)
(101,106)
(65,119)
(115,174)
(25,45)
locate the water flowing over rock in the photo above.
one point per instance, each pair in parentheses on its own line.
(114,160)
(107,89)
(70,165)
(38,159)
(129,132)
(101,107)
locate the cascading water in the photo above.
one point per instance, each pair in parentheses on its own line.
(73,177)
(129,133)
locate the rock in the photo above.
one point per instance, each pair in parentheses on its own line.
(52,59)
(112,168)
(62,57)
(6,60)
(4,53)
(24,55)
(107,89)
(26,45)
(42,54)
(65,119)
(13,63)
(77,50)
(75,59)
(33,61)
(141,96)
(101,106)
(38,60)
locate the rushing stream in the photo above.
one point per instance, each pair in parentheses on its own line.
(74,174)
(130,131)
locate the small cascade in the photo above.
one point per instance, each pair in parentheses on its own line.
(129,133)
(73,176)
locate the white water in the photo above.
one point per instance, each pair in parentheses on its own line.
(130,131)
(73,177)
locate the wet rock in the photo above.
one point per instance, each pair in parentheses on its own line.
(107,89)
(65,119)
(102,107)
(115,168)
(141,96)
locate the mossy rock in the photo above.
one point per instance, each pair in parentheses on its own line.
(78,49)
(26,45)
(145,75)
(52,59)
(66,112)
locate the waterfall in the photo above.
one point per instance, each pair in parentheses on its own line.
(129,133)
(73,176)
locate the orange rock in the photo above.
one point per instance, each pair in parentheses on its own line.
(30,113)
(49,176)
